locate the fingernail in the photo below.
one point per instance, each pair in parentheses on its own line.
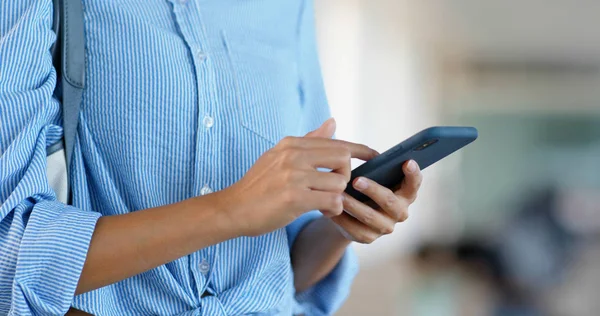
(412,166)
(361,184)
(331,126)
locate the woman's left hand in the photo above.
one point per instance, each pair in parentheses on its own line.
(365,223)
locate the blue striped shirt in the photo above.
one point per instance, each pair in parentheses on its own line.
(182,98)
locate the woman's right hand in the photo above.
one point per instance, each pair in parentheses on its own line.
(284,183)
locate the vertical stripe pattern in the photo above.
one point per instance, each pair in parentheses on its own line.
(182,97)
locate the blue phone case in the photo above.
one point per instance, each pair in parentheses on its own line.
(426,148)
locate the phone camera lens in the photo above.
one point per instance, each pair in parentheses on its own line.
(427,144)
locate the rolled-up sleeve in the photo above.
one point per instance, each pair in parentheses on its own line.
(43,243)
(328,295)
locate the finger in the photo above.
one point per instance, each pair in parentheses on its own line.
(359,151)
(355,230)
(326,202)
(326,181)
(326,130)
(412,181)
(336,159)
(376,220)
(323,157)
(391,204)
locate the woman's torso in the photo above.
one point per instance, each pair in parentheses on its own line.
(182,97)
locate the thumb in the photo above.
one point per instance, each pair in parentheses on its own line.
(324,131)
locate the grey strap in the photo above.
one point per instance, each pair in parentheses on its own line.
(55,27)
(68,56)
(72,69)
(54,148)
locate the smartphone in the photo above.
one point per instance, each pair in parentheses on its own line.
(426,148)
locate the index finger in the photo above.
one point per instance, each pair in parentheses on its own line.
(360,151)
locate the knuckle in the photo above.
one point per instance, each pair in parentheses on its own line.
(386,230)
(287,141)
(342,186)
(343,159)
(335,202)
(341,183)
(403,216)
(360,238)
(290,197)
(390,201)
(345,177)
(368,217)
(341,153)
(338,211)
(365,238)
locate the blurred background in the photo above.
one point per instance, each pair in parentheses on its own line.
(510,225)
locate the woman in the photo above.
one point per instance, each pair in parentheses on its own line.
(188,198)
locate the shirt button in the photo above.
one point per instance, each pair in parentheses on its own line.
(208,121)
(206,190)
(204,266)
(200,55)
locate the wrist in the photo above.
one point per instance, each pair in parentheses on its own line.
(227,216)
(316,251)
(222,218)
(332,233)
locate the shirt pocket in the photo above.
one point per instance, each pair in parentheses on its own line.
(266,82)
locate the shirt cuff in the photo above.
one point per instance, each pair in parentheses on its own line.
(50,258)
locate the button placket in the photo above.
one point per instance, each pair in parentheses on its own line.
(188,13)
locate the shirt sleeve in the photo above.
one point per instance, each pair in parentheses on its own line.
(327,296)
(43,243)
